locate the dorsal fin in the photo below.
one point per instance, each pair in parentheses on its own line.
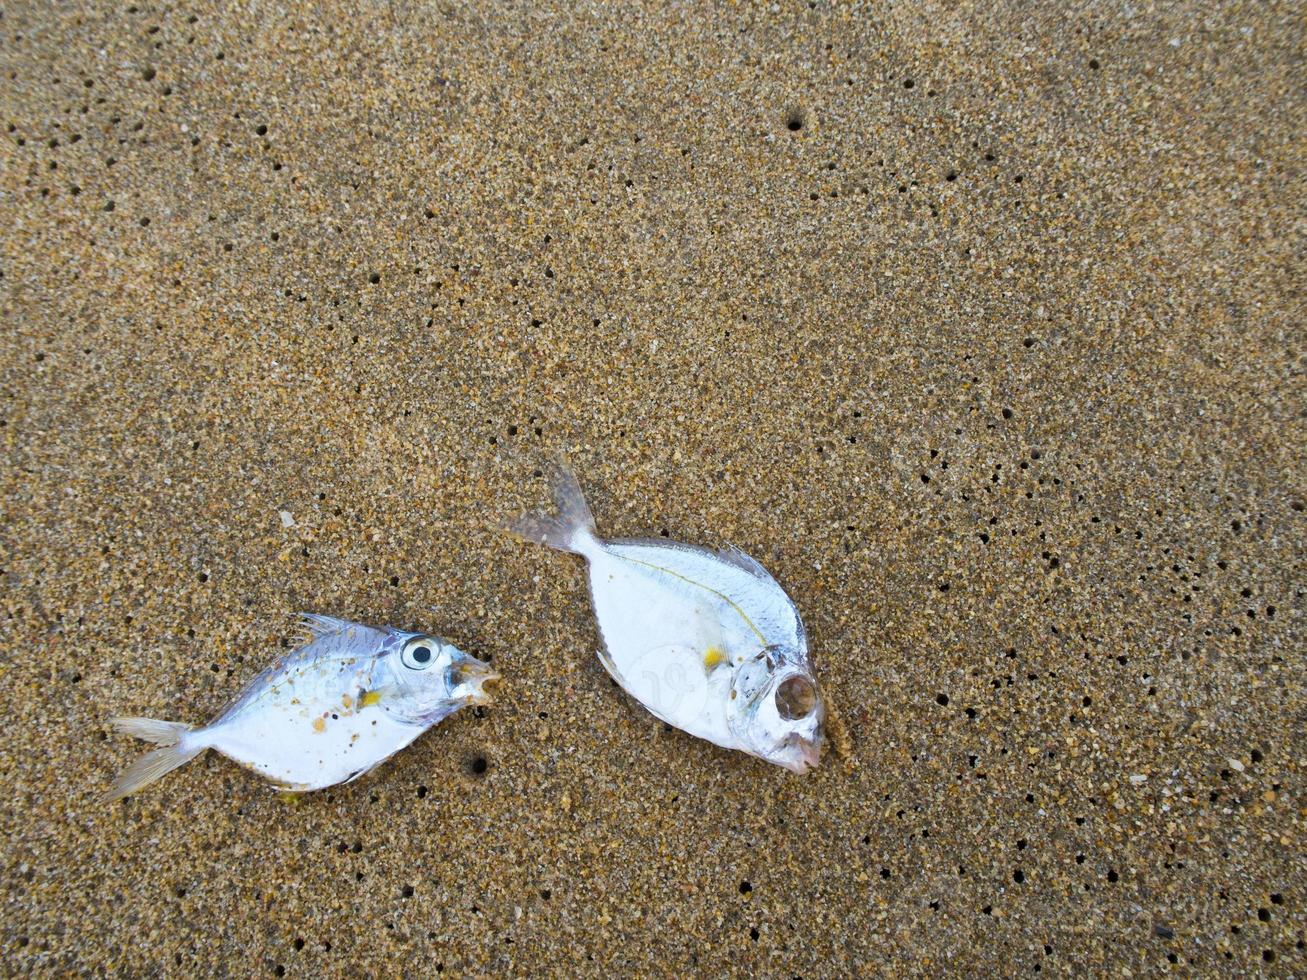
(739,559)
(320,626)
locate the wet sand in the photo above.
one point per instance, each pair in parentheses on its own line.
(979,325)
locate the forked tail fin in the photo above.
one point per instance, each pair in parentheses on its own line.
(152,765)
(572,528)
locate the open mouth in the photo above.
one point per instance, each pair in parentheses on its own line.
(478,678)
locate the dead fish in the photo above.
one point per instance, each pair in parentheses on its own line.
(706,640)
(334,709)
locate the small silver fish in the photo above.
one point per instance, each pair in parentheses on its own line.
(706,640)
(332,710)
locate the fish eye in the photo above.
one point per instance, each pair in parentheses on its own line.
(796,698)
(418,654)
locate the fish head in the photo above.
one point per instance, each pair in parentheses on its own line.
(430,678)
(777,710)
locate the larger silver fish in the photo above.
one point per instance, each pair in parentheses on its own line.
(334,709)
(706,640)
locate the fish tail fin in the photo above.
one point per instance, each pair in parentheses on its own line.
(152,729)
(152,765)
(572,528)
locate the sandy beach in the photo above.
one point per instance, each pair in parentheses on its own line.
(980,325)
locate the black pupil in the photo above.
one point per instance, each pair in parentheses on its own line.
(422,654)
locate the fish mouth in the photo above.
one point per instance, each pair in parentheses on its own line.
(807,754)
(477,678)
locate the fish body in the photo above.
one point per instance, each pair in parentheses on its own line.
(708,641)
(332,710)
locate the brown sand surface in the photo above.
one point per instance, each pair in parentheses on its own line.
(980,324)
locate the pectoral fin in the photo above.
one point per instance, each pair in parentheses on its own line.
(368,698)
